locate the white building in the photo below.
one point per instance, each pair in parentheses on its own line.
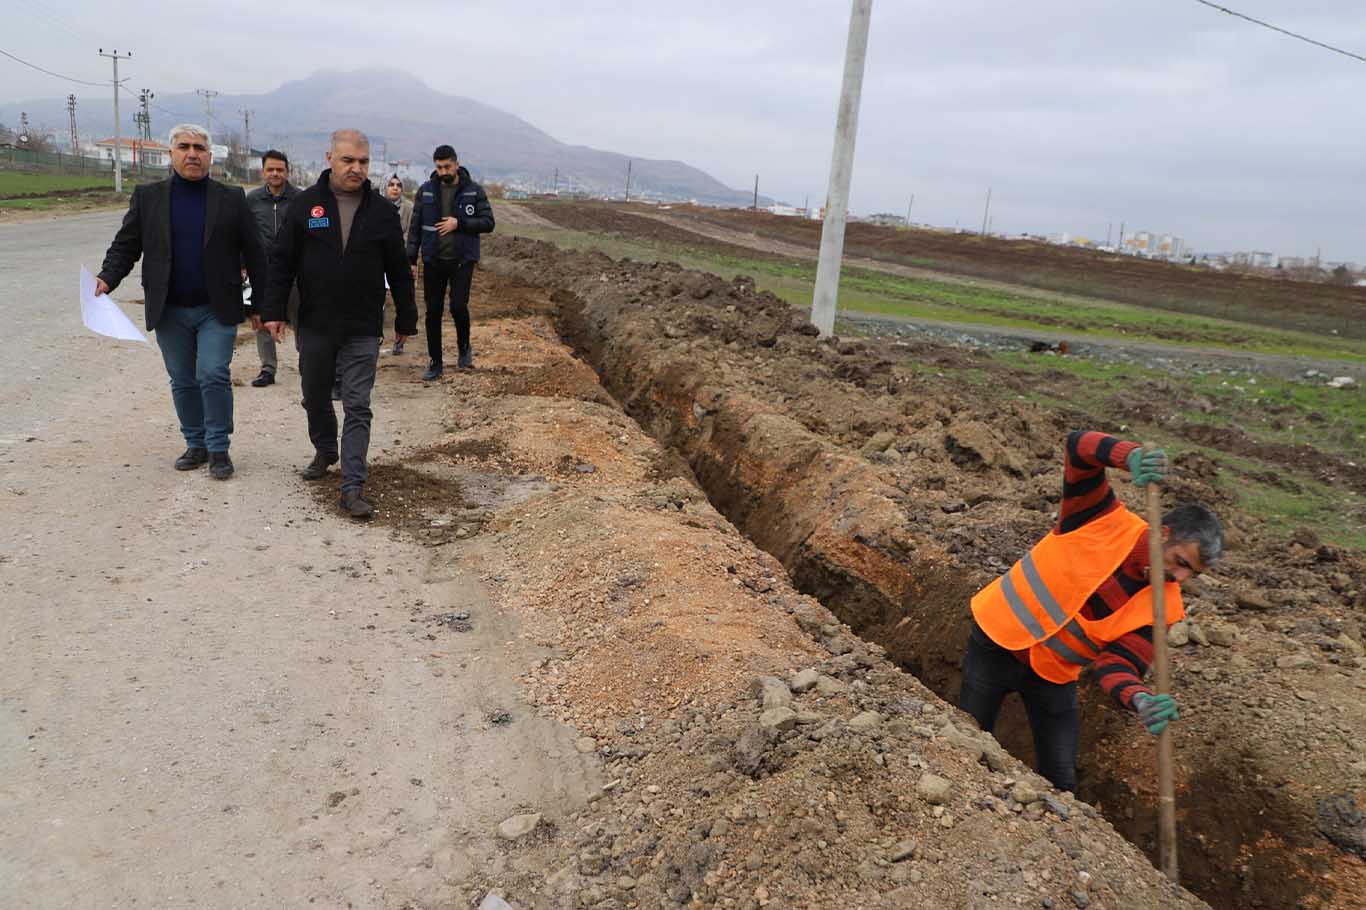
(133,151)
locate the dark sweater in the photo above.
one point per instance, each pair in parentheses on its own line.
(189,208)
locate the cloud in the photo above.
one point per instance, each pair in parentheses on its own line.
(1168,116)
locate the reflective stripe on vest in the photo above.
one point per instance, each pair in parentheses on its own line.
(1036,606)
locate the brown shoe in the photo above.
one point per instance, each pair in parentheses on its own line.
(355,505)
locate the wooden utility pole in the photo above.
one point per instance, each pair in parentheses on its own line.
(826,296)
(118,136)
(1166,784)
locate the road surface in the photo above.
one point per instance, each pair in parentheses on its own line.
(211,694)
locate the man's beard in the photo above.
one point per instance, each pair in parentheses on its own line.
(448,178)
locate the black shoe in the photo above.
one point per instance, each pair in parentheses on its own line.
(336,392)
(264,379)
(433,372)
(318,466)
(192,459)
(220,465)
(355,505)
(466,361)
(398,348)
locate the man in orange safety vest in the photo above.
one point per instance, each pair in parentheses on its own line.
(1081,598)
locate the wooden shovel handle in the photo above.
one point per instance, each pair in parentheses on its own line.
(1166,784)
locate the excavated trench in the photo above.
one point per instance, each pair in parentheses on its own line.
(827,516)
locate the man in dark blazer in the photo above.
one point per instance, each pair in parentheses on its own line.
(197,235)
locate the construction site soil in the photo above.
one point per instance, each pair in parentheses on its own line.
(789,474)
(1279,302)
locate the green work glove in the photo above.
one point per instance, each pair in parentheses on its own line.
(1155,711)
(1147,466)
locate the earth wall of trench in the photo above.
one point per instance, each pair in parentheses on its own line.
(726,377)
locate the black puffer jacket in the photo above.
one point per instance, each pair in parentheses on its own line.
(472,211)
(342,293)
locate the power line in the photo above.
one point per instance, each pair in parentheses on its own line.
(1275,28)
(50,72)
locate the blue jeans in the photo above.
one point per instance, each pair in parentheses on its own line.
(197,351)
(990,673)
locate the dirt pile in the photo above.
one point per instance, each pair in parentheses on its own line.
(756,753)
(891,496)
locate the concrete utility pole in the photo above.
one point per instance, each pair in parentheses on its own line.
(756,192)
(1121,236)
(628,180)
(145,117)
(908,210)
(986,214)
(71,122)
(557,181)
(1109,232)
(118,137)
(209,95)
(246,143)
(826,296)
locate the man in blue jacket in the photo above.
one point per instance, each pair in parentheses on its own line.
(449,214)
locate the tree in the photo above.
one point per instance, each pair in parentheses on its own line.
(1342,275)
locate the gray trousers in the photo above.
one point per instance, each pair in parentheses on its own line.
(265,344)
(323,358)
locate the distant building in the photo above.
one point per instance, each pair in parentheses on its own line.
(147,152)
(786,211)
(886,219)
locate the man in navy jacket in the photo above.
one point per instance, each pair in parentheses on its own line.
(449,214)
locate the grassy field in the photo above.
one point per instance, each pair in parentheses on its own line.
(883,294)
(1271,411)
(19,183)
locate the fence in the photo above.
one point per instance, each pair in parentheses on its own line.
(16,158)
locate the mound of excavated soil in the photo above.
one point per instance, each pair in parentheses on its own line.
(892,496)
(757,753)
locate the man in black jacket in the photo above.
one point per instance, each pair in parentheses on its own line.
(340,241)
(450,213)
(269,203)
(197,234)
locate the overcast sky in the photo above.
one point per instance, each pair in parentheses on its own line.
(1165,114)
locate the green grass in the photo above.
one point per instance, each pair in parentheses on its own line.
(19,183)
(879,293)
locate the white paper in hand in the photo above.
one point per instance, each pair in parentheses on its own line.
(102,315)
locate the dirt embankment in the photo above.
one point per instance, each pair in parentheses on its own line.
(849,785)
(891,497)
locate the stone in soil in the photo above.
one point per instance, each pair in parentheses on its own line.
(933,789)
(778,720)
(805,680)
(519,826)
(1296,662)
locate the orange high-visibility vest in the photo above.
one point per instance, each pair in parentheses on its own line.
(1036,604)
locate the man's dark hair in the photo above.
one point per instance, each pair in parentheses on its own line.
(276,154)
(444,153)
(1197,523)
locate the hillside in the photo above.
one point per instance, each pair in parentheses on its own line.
(396,108)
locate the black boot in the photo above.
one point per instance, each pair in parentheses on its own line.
(318,466)
(466,361)
(433,372)
(354,504)
(220,465)
(191,459)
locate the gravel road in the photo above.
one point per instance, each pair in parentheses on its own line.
(220,694)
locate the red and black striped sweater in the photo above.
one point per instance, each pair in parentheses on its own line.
(1086,495)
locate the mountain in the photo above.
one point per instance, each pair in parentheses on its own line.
(394,107)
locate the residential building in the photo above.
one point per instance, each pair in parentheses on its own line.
(146,152)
